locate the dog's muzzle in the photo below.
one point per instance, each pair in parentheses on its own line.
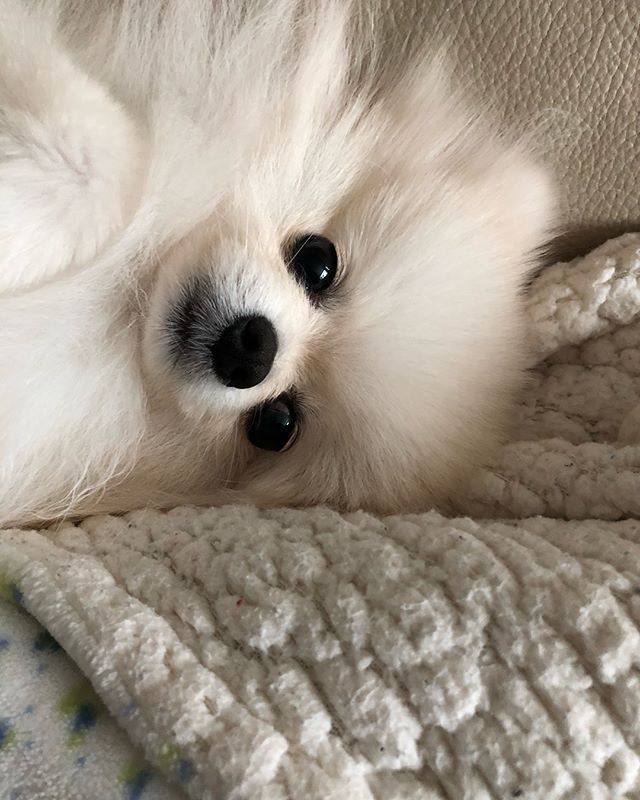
(239,351)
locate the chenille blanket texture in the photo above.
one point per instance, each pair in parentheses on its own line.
(305,655)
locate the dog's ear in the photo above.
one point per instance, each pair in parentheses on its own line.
(70,159)
(427,128)
(525,201)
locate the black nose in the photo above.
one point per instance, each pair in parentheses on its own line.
(244,353)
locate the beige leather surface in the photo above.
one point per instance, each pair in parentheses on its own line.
(572,64)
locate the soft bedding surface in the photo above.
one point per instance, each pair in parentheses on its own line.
(304,655)
(57,739)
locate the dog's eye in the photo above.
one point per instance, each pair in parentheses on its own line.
(314,262)
(273,425)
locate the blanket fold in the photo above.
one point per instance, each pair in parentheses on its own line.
(575,453)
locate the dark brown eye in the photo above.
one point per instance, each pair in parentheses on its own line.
(314,262)
(273,425)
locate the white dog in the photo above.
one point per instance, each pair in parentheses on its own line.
(238,265)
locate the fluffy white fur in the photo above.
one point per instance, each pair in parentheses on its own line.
(143,144)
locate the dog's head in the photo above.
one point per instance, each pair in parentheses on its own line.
(346,327)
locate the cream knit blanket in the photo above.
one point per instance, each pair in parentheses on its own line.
(304,655)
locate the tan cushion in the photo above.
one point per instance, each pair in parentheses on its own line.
(574,62)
